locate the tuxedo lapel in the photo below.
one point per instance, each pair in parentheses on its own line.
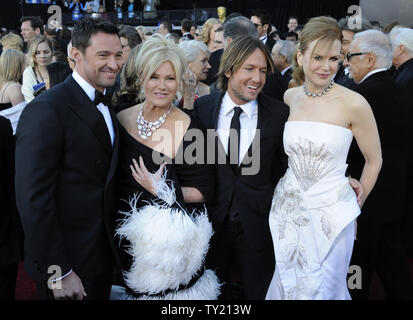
(89,114)
(114,159)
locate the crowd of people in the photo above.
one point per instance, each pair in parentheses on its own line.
(230,160)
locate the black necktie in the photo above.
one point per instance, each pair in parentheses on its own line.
(101,98)
(234,139)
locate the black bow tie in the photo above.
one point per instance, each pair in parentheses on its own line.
(101,98)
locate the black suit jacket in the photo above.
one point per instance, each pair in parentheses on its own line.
(11,235)
(275,85)
(270,43)
(344,80)
(404,76)
(214,61)
(6,179)
(391,107)
(249,195)
(64,184)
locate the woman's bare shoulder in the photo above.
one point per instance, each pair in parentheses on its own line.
(352,99)
(290,94)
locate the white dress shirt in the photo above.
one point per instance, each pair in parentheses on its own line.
(285,70)
(104,110)
(248,121)
(264,39)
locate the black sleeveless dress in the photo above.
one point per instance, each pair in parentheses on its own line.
(182,174)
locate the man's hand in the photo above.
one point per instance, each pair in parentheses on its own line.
(358,189)
(72,288)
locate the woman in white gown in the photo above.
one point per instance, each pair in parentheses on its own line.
(313,212)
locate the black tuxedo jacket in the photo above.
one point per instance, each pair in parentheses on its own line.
(65,165)
(391,107)
(249,195)
(270,43)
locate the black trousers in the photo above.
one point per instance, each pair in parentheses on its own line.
(379,248)
(231,256)
(8,277)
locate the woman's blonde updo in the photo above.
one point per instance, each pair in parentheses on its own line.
(324,29)
(155,51)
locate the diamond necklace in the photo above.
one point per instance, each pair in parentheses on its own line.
(314,95)
(146,128)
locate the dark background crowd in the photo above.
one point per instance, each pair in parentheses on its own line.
(47,62)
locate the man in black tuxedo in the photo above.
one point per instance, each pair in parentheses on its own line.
(10,229)
(262,21)
(244,189)
(66,156)
(378,246)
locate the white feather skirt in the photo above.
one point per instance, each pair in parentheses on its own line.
(168,247)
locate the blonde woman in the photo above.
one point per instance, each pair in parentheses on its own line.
(208,32)
(40,55)
(314,207)
(154,135)
(12,41)
(12,102)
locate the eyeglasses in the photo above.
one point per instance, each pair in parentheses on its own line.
(350,55)
(257,25)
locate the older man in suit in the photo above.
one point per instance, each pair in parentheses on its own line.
(402,42)
(378,246)
(66,156)
(249,126)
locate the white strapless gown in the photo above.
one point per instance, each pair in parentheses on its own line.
(312,214)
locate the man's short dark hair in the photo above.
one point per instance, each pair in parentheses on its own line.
(35,22)
(293,17)
(239,26)
(232,15)
(167,26)
(263,15)
(292,34)
(186,24)
(131,34)
(85,28)
(343,24)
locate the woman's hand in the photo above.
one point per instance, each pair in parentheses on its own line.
(358,189)
(188,88)
(149,181)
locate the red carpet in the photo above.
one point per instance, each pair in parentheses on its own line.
(26,289)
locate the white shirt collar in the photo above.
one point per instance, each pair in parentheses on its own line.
(371,73)
(285,70)
(264,39)
(228,105)
(86,86)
